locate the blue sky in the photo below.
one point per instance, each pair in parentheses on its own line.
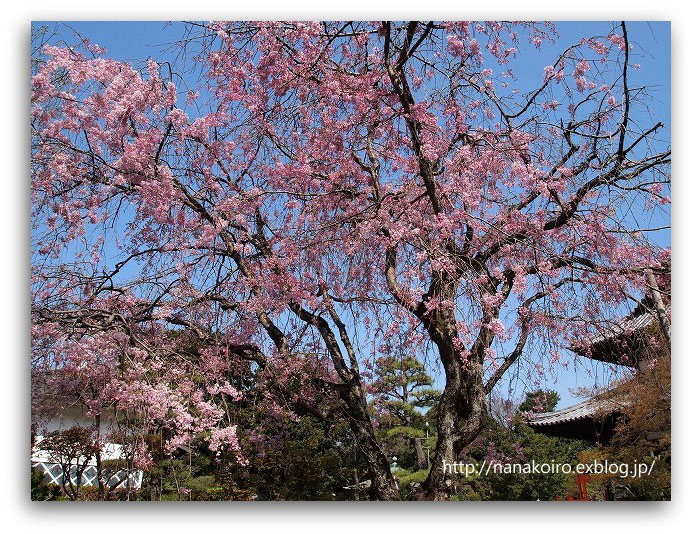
(136,41)
(139,40)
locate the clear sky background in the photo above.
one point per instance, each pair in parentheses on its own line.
(137,41)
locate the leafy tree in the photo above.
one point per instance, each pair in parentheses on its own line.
(308,466)
(72,450)
(403,397)
(539,401)
(305,460)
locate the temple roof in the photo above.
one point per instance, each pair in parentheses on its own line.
(588,409)
(621,342)
(592,420)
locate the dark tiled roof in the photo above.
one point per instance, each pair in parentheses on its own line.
(639,319)
(588,409)
(620,342)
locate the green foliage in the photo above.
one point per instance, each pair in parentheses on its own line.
(539,400)
(309,465)
(91,493)
(402,408)
(406,431)
(40,489)
(73,447)
(188,477)
(642,435)
(404,380)
(408,480)
(519,444)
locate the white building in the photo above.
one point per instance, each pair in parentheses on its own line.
(69,417)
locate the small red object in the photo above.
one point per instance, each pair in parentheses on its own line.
(582,489)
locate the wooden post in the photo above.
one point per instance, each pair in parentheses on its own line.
(659,307)
(582,488)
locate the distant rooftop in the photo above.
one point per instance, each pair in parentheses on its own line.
(592,408)
(592,420)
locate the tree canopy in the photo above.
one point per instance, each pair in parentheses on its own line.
(325,195)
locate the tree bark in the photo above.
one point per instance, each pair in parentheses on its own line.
(383,485)
(462,407)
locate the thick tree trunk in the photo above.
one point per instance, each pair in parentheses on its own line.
(383,485)
(351,392)
(459,417)
(461,410)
